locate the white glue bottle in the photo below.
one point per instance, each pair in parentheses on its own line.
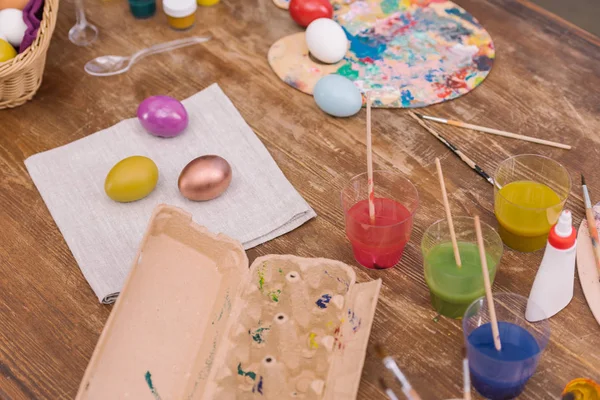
(552,289)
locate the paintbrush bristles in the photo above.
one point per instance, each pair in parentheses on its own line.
(488,286)
(370,183)
(448,213)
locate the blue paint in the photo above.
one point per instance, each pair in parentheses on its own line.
(484,63)
(429,75)
(354,320)
(454,33)
(259,386)
(499,375)
(406,97)
(323,301)
(340,280)
(365,46)
(462,14)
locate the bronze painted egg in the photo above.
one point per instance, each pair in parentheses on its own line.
(205,178)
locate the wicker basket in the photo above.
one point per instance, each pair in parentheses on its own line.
(21,77)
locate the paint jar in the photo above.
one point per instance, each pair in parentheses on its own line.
(142,9)
(181,14)
(207,3)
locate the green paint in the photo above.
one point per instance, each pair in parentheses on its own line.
(148,377)
(274,295)
(280,271)
(261,276)
(389,6)
(347,71)
(257,335)
(250,374)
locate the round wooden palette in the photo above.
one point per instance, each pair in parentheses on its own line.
(283,4)
(408,53)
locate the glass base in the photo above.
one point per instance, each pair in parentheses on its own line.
(373,259)
(525,244)
(455,310)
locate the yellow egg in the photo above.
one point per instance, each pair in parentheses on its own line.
(131,179)
(7,52)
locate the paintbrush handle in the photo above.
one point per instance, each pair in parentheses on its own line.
(589,213)
(454,150)
(508,134)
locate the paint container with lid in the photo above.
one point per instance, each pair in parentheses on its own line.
(181,14)
(142,9)
(207,3)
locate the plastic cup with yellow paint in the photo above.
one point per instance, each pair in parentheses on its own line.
(529,196)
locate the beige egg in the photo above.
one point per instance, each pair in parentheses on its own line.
(205,178)
(18,4)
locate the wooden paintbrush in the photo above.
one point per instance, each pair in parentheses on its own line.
(589,213)
(494,131)
(407,389)
(464,158)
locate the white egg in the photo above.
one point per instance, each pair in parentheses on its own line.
(326,40)
(12,26)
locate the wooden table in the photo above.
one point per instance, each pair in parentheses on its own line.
(544,83)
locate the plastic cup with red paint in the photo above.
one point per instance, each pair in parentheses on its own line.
(379,244)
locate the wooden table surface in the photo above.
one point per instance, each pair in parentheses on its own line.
(545,82)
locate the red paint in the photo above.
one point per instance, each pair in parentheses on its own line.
(379,245)
(306,11)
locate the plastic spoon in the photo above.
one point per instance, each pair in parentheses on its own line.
(114,65)
(82,33)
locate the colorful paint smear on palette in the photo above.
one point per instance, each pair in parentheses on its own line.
(408,53)
(283,4)
(148,378)
(413,53)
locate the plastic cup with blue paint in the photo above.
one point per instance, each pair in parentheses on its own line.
(500,375)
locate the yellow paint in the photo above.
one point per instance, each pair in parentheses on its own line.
(182,23)
(7,52)
(207,3)
(311,340)
(526,211)
(131,179)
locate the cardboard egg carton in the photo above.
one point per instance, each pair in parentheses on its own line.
(193,322)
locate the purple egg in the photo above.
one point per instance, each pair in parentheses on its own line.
(162,116)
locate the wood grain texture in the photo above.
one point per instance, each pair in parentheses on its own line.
(544,83)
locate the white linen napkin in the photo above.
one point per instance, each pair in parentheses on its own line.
(103,235)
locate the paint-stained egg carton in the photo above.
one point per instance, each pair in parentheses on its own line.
(290,331)
(194,322)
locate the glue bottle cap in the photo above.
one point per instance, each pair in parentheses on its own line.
(563,235)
